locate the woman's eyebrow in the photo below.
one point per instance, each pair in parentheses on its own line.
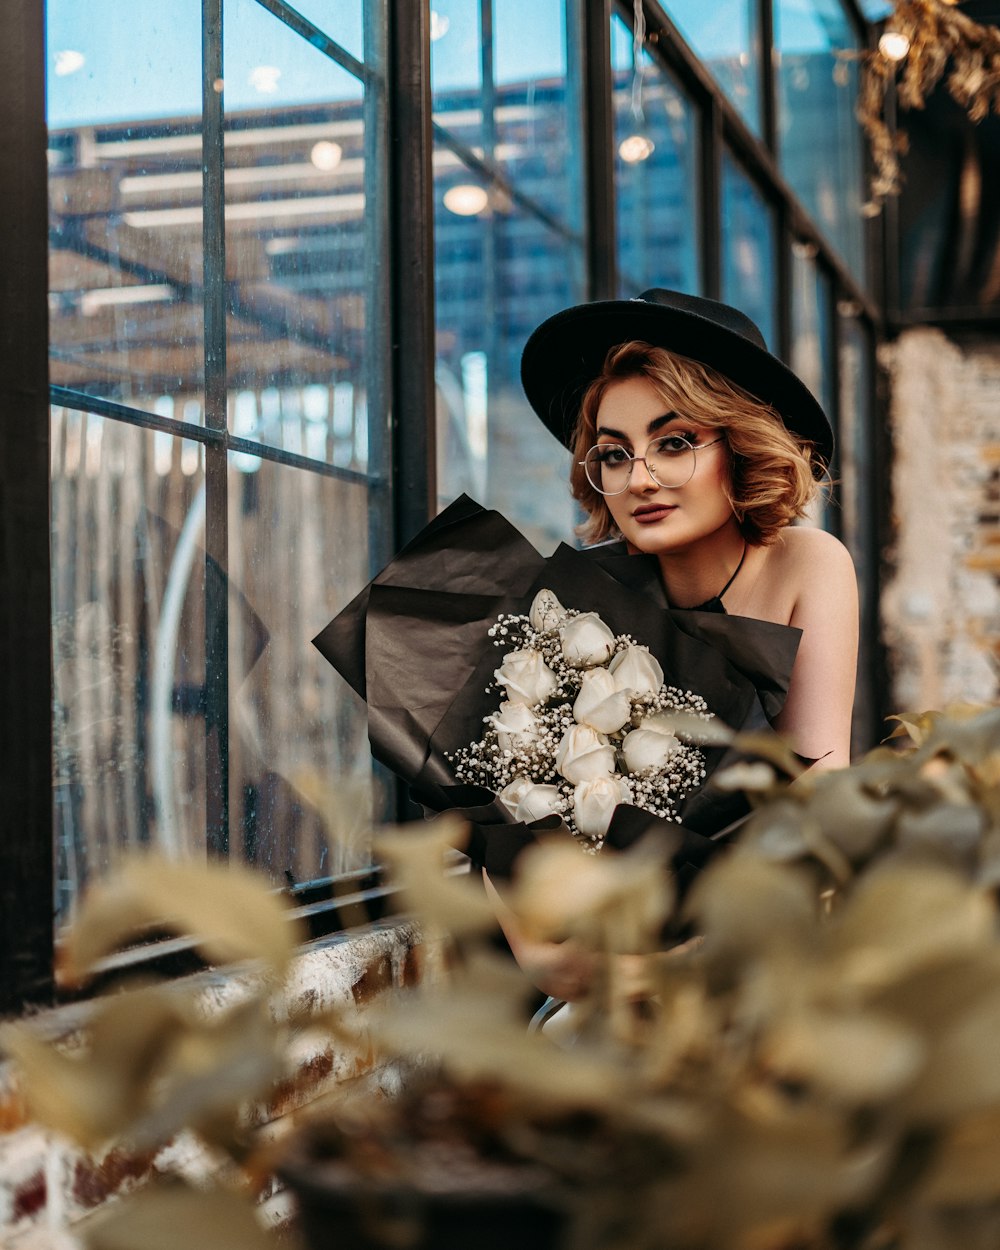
(658,423)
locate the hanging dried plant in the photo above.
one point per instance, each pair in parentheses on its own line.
(924,41)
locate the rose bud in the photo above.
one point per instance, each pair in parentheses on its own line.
(514,792)
(586,641)
(516,725)
(636,670)
(546,611)
(583,754)
(594,803)
(647,748)
(526,676)
(537,802)
(599,704)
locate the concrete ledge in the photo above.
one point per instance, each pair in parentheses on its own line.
(47,1186)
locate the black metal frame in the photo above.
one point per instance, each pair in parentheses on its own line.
(26,845)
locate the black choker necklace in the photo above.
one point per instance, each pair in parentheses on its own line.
(715,604)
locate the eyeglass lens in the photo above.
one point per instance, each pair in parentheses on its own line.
(670,462)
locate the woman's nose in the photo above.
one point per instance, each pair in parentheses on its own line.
(641,481)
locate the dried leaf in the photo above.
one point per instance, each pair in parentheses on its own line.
(93,1095)
(848,815)
(904,917)
(966,1168)
(613,901)
(758,776)
(415,855)
(768,746)
(228,909)
(178,1218)
(855,1058)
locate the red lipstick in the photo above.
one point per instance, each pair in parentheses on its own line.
(649,514)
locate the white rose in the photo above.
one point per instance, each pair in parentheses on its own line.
(514,791)
(538,802)
(516,725)
(584,754)
(546,611)
(527,677)
(647,748)
(594,803)
(636,670)
(586,641)
(599,704)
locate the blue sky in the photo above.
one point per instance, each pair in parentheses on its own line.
(109,60)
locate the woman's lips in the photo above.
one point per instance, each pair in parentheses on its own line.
(649,516)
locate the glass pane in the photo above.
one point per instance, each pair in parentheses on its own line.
(298,554)
(725,35)
(296,242)
(748,249)
(856,471)
(811,343)
(457,69)
(656,175)
(125,267)
(819,137)
(498,273)
(128,631)
(510,102)
(342,20)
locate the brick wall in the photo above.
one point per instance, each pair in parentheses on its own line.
(941,610)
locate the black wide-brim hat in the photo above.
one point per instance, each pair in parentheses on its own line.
(564,355)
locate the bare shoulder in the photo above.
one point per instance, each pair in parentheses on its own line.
(807,553)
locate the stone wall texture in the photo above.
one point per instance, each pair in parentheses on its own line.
(941,608)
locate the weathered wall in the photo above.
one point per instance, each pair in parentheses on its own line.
(47,1186)
(941,610)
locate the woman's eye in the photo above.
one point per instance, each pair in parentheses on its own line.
(613,455)
(677,442)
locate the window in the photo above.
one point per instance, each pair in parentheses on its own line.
(657,174)
(816,50)
(508,246)
(749,280)
(725,34)
(219,459)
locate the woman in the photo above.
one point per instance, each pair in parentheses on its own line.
(692,443)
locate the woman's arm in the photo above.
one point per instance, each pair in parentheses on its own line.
(816,717)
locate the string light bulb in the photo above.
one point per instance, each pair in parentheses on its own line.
(893,45)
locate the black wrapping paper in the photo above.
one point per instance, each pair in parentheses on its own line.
(414,644)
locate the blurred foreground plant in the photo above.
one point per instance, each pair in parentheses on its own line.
(822,1072)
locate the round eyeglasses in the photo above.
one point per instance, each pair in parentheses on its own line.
(670,461)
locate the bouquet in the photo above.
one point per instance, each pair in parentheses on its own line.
(416,646)
(585,724)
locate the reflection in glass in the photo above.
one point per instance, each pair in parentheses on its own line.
(298,554)
(819,137)
(128,630)
(857,478)
(508,247)
(811,330)
(748,249)
(656,176)
(498,273)
(125,294)
(725,35)
(342,20)
(296,245)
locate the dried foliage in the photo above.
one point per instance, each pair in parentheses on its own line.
(942,43)
(820,1072)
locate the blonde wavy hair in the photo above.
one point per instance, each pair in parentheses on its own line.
(772,472)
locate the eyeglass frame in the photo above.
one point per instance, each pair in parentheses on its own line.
(695,448)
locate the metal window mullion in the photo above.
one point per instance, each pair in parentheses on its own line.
(27,866)
(599,172)
(410,265)
(216,456)
(768,83)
